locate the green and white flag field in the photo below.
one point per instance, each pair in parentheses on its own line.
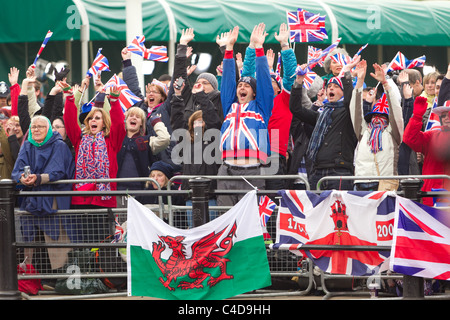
(220,259)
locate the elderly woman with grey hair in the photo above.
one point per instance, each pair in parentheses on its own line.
(49,159)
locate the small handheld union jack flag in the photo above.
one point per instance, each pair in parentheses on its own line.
(433,122)
(309,79)
(400,62)
(266,207)
(323,54)
(361,49)
(155,53)
(341,59)
(44,43)
(313,54)
(305,26)
(127,98)
(100,64)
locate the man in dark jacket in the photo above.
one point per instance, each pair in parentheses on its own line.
(333,141)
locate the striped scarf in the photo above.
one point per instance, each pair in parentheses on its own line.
(93,161)
(321,127)
(376,125)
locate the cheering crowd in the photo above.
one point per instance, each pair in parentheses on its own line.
(247,119)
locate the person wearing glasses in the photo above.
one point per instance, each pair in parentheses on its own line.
(49,159)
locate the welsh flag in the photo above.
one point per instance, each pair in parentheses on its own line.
(217,260)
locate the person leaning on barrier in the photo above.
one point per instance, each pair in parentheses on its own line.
(96,150)
(49,159)
(333,140)
(247,109)
(379,132)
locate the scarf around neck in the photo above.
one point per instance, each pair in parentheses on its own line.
(47,137)
(376,129)
(93,161)
(321,127)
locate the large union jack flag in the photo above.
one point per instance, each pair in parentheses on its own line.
(421,245)
(305,26)
(100,64)
(155,53)
(127,98)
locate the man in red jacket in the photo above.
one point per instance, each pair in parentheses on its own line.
(433,144)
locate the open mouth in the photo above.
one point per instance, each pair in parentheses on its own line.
(133,123)
(331,95)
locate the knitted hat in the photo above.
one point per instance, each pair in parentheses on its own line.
(337,81)
(277,79)
(210,78)
(251,81)
(164,167)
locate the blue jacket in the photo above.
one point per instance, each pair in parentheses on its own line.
(244,131)
(53,158)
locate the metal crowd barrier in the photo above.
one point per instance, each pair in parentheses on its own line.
(8,243)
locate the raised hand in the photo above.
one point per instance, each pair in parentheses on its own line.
(187,35)
(283,36)
(270,58)
(379,74)
(13,75)
(258,35)
(232,38)
(360,72)
(125,54)
(221,38)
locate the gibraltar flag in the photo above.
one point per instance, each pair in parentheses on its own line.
(220,259)
(337,218)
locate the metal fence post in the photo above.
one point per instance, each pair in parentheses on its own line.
(200,200)
(412,286)
(8,264)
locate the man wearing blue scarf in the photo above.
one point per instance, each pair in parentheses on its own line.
(333,140)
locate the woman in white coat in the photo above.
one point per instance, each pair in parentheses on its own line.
(379,132)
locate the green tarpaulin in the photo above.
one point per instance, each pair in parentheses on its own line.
(393,22)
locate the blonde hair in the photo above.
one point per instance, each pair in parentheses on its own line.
(139,113)
(431,75)
(106,121)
